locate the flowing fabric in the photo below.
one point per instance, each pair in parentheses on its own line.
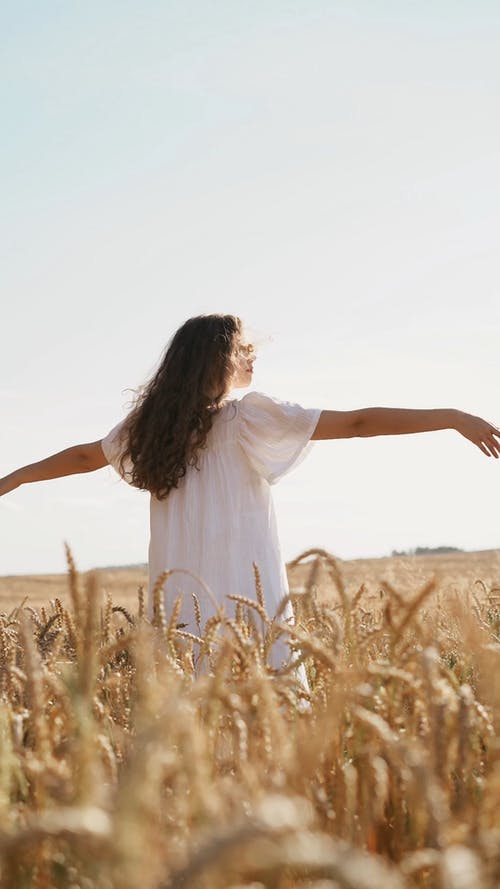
(221,518)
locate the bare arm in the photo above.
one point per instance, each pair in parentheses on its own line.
(80,458)
(373,421)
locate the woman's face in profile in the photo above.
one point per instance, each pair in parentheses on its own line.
(243,358)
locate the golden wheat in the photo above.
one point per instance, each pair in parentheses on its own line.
(134,754)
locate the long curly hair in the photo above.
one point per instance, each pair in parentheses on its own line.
(173,413)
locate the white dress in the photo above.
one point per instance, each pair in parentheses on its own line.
(221,518)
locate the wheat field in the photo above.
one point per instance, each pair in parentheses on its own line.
(134,755)
(455,572)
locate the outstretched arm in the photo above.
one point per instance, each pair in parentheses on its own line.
(372,421)
(80,458)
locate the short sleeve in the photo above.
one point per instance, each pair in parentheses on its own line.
(113,446)
(275,435)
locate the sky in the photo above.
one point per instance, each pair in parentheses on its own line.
(328,171)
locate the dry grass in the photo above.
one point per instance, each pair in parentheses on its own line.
(456,572)
(134,755)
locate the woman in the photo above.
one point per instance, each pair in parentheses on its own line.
(209,460)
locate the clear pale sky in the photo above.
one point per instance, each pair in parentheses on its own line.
(329,171)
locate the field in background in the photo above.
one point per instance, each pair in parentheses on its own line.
(453,572)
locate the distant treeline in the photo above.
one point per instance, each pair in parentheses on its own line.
(137,566)
(427,551)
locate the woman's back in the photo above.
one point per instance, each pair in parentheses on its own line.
(220,519)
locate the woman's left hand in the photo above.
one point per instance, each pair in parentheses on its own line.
(9,483)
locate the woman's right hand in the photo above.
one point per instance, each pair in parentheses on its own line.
(484,435)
